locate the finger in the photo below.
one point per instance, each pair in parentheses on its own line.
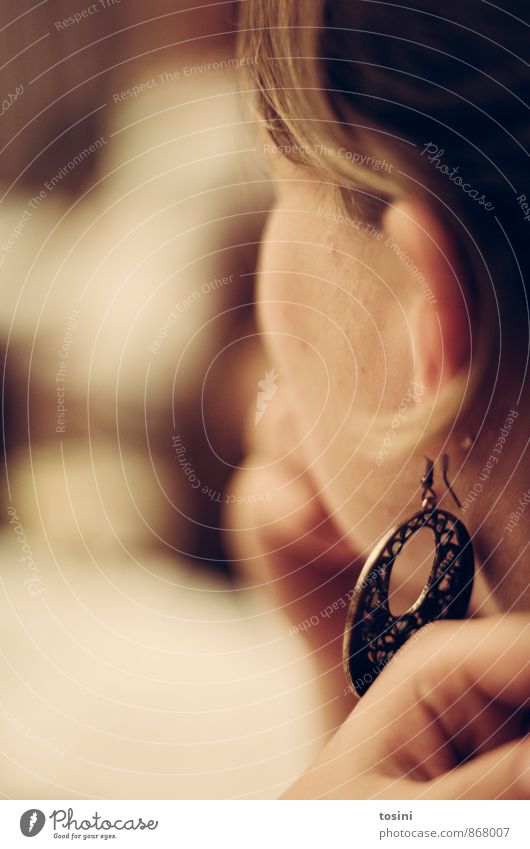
(457,691)
(490,654)
(502,773)
(479,695)
(488,658)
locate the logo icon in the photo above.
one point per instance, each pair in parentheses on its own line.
(31,822)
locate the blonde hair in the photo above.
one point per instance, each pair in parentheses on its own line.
(379,82)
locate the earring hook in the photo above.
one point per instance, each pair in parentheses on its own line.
(445,469)
(428,495)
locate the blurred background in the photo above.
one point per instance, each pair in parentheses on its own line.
(134,662)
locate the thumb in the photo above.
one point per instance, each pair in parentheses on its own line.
(502,773)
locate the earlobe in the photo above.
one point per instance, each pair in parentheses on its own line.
(441,324)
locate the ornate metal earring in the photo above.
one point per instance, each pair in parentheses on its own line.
(372,633)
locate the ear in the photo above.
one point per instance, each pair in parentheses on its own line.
(440,320)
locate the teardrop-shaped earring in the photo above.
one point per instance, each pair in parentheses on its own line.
(372,633)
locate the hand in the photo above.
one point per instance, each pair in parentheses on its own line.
(444,720)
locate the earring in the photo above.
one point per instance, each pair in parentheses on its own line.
(372,633)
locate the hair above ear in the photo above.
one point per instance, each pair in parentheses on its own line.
(441,323)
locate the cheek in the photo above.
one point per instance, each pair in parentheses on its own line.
(329,325)
(318,325)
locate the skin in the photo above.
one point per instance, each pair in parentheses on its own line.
(349,330)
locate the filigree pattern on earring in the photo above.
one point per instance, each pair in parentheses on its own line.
(372,633)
